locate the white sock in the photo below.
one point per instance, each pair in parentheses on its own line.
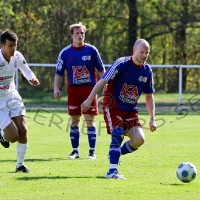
(2,134)
(21,152)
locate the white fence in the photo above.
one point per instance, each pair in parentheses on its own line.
(180,67)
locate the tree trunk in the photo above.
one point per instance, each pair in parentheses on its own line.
(180,56)
(132,24)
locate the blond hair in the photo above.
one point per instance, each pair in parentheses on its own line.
(77,25)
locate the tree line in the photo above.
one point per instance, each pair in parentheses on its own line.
(171,28)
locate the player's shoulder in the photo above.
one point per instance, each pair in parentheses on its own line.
(146,65)
(65,49)
(90,46)
(18,55)
(123,60)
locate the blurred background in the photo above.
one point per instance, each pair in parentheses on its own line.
(171,28)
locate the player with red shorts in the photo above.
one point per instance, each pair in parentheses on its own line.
(76,96)
(80,61)
(126,79)
(114,116)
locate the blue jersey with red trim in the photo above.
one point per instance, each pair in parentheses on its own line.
(126,82)
(80,64)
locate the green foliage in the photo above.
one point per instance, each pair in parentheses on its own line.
(171,27)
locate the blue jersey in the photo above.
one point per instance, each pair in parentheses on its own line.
(126,82)
(80,64)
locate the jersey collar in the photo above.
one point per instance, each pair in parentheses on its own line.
(78,48)
(138,66)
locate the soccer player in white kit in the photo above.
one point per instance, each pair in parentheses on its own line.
(13,125)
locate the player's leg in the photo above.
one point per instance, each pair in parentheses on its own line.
(20,133)
(114,127)
(75,136)
(74,110)
(22,143)
(92,135)
(8,132)
(4,142)
(134,131)
(89,120)
(117,136)
(137,138)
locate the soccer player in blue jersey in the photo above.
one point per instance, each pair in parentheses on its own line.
(81,61)
(126,79)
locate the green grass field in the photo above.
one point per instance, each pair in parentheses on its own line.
(150,171)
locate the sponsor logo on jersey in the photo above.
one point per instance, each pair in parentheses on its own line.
(5,77)
(5,87)
(86,58)
(142,79)
(81,74)
(24,61)
(129,94)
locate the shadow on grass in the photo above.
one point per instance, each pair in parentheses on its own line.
(178,184)
(30,178)
(175,184)
(35,160)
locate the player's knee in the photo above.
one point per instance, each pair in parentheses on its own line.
(117,136)
(137,142)
(139,136)
(141,141)
(117,130)
(23,132)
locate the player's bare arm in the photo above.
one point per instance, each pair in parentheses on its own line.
(101,73)
(150,104)
(97,88)
(57,83)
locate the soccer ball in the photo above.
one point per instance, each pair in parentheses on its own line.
(186,172)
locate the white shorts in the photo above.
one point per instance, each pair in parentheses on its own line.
(13,107)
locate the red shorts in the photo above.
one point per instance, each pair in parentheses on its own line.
(114,116)
(76,96)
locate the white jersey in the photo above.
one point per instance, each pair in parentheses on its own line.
(7,75)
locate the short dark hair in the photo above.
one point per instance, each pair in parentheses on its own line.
(8,35)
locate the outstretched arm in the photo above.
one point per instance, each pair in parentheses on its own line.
(97,88)
(150,104)
(27,72)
